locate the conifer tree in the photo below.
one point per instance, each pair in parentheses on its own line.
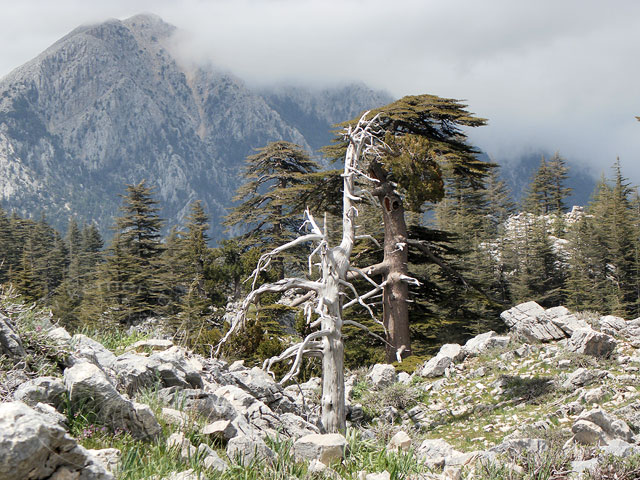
(269,212)
(547,191)
(422,134)
(132,264)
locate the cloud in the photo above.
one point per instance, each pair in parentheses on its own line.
(548,75)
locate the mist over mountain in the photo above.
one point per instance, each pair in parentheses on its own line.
(518,172)
(110,104)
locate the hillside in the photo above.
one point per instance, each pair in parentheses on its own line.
(556,398)
(110,104)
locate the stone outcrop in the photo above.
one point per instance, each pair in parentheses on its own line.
(530,321)
(31,447)
(325,448)
(485,341)
(448,355)
(10,343)
(89,388)
(591,342)
(599,427)
(49,390)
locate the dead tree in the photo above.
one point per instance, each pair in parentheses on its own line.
(325,294)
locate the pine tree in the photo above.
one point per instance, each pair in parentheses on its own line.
(547,191)
(133,258)
(270,211)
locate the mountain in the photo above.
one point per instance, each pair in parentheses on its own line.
(110,104)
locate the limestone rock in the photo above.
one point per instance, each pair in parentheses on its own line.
(245,449)
(631,415)
(33,448)
(599,427)
(590,342)
(582,377)
(611,324)
(59,334)
(569,323)
(530,321)
(222,429)
(210,406)
(620,448)
(48,390)
(87,349)
(400,441)
(382,375)
(522,445)
(325,448)
(434,452)
(89,387)
(153,344)
(10,343)
(259,384)
(485,341)
(449,354)
(109,458)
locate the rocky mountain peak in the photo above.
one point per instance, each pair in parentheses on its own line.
(109,104)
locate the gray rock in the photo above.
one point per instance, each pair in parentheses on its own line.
(325,448)
(449,354)
(59,334)
(599,427)
(184,367)
(631,415)
(295,426)
(210,406)
(109,458)
(189,474)
(10,343)
(153,344)
(48,390)
(583,466)
(382,375)
(245,450)
(569,323)
(590,342)
(522,445)
(33,448)
(620,448)
(169,368)
(434,452)
(400,441)
(51,414)
(221,429)
(530,321)
(85,348)
(611,324)
(583,377)
(595,395)
(259,384)
(89,387)
(203,453)
(485,341)
(556,312)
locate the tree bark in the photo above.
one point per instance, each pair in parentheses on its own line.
(395,295)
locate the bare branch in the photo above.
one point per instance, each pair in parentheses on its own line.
(368,237)
(298,350)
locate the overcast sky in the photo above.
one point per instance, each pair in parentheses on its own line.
(554,75)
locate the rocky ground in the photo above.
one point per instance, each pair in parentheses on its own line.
(556,397)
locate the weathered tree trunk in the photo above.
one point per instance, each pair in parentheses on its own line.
(395,272)
(328,291)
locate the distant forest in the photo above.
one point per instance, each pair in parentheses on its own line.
(482,255)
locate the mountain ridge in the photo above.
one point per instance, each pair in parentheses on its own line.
(110,104)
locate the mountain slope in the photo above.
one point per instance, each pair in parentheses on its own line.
(109,104)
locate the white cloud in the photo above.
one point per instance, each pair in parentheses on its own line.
(557,75)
